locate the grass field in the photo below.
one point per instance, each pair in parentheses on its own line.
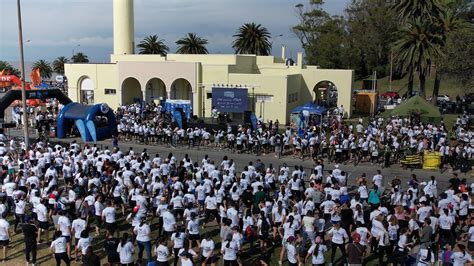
(448,86)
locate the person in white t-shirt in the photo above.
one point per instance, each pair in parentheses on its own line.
(109,215)
(316,250)
(64,225)
(229,251)
(291,252)
(78,225)
(61,249)
(161,252)
(142,233)
(461,257)
(125,249)
(178,239)
(207,250)
(83,244)
(338,238)
(4,235)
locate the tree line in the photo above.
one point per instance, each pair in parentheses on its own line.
(418,37)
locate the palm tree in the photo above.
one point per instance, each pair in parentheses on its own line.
(252,39)
(416,47)
(44,68)
(4,65)
(152,45)
(80,58)
(411,9)
(58,64)
(192,44)
(447,22)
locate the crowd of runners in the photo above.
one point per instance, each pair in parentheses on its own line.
(159,209)
(130,207)
(381,141)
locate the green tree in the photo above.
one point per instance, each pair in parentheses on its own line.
(370,25)
(4,65)
(416,46)
(192,44)
(411,9)
(457,61)
(58,64)
(448,21)
(80,58)
(152,45)
(252,38)
(44,68)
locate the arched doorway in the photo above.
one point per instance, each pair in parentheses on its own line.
(155,88)
(325,93)
(86,90)
(181,89)
(131,91)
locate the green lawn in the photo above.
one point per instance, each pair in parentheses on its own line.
(448,86)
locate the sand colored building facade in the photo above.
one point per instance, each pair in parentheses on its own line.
(274,86)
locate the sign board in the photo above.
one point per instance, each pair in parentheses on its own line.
(230,100)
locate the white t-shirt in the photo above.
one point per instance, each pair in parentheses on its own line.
(459,258)
(42,213)
(317,255)
(78,226)
(126,252)
(207,246)
(291,253)
(4,226)
(59,245)
(83,244)
(178,241)
(162,253)
(230,253)
(193,227)
(109,214)
(169,221)
(471,234)
(424,257)
(142,232)
(338,235)
(211,203)
(64,225)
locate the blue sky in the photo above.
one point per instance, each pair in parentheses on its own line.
(57,27)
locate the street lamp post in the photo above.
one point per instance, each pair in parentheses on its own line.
(23,83)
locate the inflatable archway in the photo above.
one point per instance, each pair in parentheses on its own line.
(94,122)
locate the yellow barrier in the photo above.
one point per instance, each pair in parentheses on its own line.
(431,160)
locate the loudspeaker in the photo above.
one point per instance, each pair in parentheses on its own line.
(247,115)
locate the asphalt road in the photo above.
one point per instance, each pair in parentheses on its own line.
(197,154)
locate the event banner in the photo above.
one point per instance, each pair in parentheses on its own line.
(230,100)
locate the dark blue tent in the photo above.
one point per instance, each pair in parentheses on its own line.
(311,108)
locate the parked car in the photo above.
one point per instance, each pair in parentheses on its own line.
(390,94)
(443,98)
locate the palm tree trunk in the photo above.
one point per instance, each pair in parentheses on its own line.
(410,83)
(422,77)
(437,85)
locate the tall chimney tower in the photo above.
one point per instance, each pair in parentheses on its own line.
(124,42)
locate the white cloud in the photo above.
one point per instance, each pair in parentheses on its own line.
(55,27)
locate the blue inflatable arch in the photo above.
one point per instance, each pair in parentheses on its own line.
(94,122)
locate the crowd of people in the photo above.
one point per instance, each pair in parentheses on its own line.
(143,208)
(381,141)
